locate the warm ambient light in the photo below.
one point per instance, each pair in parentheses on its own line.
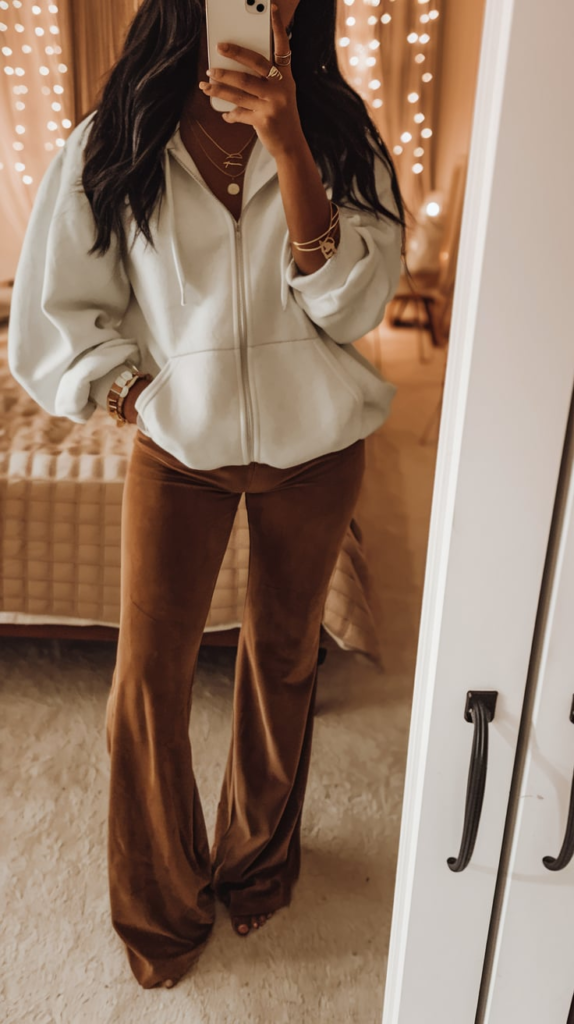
(30,65)
(364,42)
(365,46)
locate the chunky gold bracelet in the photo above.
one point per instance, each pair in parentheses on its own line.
(119,390)
(326,240)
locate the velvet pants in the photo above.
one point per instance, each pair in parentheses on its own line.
(176,525)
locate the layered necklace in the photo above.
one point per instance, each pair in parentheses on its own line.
(231,159)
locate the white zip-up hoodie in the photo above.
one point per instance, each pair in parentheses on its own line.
(252,361)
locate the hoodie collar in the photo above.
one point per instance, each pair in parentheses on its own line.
(261,168)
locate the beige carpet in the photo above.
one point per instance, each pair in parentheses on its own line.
(323,959)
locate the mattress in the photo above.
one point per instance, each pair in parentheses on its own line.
(61,486)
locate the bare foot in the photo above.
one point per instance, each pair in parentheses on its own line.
(242,925)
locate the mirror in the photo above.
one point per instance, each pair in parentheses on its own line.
(64,472)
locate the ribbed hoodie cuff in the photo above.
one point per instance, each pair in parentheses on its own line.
(333,275)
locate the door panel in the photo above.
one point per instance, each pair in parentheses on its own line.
(532,976)
(507,395)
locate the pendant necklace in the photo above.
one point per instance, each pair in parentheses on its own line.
(232,159)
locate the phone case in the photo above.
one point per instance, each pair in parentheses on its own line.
(240,22)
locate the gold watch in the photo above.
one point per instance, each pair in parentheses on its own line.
(119,389)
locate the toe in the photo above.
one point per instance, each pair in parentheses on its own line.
(244,924)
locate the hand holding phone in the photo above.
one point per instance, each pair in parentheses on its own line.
(242,23)
(267,99)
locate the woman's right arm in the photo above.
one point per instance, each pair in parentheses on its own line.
(64,331)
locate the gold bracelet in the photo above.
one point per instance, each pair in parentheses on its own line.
(326,240)
(333,223)
(119,390)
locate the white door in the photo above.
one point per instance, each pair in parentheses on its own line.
(532,977)
(507,395)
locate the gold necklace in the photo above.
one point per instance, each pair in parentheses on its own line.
(233,159)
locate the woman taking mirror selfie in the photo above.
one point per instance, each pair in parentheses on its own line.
(204,275)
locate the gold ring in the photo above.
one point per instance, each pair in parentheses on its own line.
(274,72)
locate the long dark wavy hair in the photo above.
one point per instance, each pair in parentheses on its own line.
(143,96)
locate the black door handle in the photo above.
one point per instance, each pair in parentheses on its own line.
(571,1013)
(565,855)
(479,709)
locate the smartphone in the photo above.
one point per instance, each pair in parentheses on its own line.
(242,22)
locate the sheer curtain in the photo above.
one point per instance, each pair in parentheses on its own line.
(392,59)
(54,57)
(98,31)
(36,110)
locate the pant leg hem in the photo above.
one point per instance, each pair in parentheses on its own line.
(150,975)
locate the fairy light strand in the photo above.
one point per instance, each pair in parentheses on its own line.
(359,41)
(362,50)
(38,71)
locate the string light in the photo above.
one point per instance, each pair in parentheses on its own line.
(362,43)
(33,74)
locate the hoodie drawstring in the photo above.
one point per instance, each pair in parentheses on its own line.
(174,248)
(286,254)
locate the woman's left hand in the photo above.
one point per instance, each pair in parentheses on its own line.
(269,104)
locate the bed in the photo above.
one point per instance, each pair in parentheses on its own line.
(61,486)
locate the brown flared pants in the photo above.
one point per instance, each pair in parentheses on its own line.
(176,524)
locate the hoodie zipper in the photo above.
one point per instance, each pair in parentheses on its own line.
(243,339)
(240,292)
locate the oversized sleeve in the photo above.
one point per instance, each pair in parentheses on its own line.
(63,338)
(347,296)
